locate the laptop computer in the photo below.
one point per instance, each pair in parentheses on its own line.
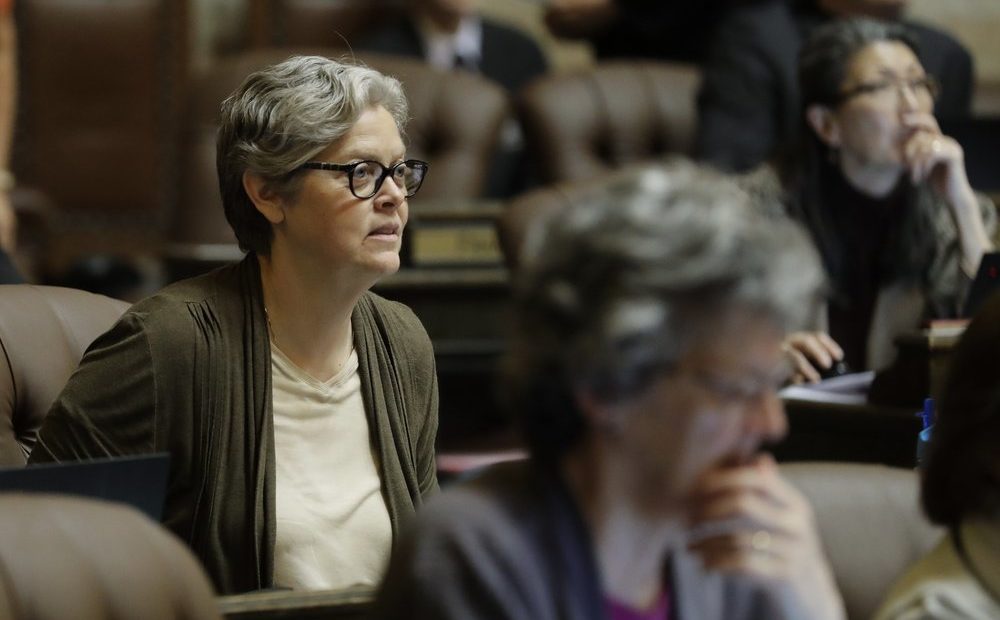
(985,284)
(139,481)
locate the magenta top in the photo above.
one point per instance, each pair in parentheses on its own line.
(659,611)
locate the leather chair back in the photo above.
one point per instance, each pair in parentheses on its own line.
(522,212)
(44,331)
(100,83)
(580,124)
(68,557)
(870,523)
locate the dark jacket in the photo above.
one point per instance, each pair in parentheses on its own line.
(512,545)
(509,57)
(188,371)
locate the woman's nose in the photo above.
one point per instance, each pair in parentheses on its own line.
(766,417)
(391,194)
(909,99)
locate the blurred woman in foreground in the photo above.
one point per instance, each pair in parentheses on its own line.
(883,193)
(644,369)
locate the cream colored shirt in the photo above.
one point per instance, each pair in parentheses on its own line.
(333,527)
(941,587)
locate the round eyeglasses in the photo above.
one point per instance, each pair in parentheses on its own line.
(365,177)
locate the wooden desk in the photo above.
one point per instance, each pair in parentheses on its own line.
(856,433)
(352,603)
(466,313)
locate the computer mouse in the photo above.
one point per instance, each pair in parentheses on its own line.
(839,367)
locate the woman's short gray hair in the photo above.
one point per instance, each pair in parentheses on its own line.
(616,288)
(280,118)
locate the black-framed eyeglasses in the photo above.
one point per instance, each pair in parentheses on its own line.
(924,85)
(365,177)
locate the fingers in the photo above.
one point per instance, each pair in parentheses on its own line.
(926,148)
(749,520)
(811,351)
(803,371)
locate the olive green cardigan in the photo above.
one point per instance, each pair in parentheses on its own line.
(188,371)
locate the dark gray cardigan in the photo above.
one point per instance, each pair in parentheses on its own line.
(188,371)
(512,545)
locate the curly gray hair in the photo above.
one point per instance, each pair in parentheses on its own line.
(280,118)
(616,288)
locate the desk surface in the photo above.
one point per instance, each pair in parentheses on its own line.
(856,433)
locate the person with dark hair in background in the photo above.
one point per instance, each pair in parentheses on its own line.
(299,409)
(644,365)
(960,578)
(749,102)
(883,193)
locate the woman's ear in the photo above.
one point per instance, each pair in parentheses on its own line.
(263,196)
(824,124)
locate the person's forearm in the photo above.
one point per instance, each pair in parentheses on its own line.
(972,236)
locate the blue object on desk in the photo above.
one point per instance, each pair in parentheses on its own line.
(927,426)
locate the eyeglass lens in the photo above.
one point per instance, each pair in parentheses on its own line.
(367,178)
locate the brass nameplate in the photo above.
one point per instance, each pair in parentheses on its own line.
(455,244)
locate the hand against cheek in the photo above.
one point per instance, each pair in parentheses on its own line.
(747,520)
(934,157)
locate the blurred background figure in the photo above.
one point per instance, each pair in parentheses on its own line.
(644,366)
(452,34)
(749,103)
(659,29)
(66,557)
(883,193)
(960,578)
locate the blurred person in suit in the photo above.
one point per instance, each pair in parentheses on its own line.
(749,102)
(452,35)
(960,578)
(676,30)
(644,367)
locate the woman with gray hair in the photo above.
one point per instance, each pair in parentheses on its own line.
(299,409)
(643,369)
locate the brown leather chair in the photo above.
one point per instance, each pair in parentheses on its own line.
(455,125)
(580,124)
(521,212)
(99,85)
(67,557)
(44,331)
(870,523)
(314,23)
